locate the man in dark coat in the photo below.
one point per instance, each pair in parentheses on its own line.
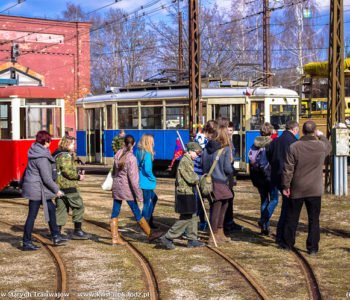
(276,155)
(302,182)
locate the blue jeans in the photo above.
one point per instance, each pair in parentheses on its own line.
(32,214)
(269,201)
(149,202)
(117,204)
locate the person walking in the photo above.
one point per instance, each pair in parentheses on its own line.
(126,188)
(185,201)
(68,178)
(276,155)
(260,174)
(145,157)
(39,187)
(219,149)
(302,182)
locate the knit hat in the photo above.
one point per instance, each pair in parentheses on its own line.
(192,146)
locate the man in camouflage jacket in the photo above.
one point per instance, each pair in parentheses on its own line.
(186,180)
(67,179)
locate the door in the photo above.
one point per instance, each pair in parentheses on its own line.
(94,135)
(235,113)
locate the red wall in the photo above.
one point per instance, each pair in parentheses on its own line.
(60,51)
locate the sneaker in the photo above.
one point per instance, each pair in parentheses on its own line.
(30,247)
(195,244)
(57,240)
(283,246)
(78,234)
(167,243)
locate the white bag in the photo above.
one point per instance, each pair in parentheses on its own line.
(107,184)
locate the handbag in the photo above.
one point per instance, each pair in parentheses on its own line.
(107,184)
(206,182)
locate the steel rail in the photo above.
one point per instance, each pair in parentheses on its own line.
(61,279)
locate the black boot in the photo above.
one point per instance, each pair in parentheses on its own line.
(63,236)
(151,224)
(29,246)
(57,240)
(78,234)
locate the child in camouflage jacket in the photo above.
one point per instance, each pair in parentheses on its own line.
(185,202)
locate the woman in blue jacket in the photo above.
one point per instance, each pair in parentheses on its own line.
(145,157)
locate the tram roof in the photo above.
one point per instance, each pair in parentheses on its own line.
(37,92)
(184,93)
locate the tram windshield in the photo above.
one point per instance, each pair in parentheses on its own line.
(281,114)
(258,115)
(5,121)
(38,115)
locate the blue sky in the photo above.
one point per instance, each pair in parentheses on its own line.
(53,8)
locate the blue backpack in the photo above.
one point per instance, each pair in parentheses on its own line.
(259,163)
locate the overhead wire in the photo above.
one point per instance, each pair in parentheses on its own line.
(14,5)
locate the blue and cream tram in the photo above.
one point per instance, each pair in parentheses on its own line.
(162,111)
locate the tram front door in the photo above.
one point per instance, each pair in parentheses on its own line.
(236,114)
(94,135)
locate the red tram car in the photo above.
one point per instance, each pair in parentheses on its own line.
(24,110)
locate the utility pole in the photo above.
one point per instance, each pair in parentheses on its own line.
(336,101)
(180,51)
(266,43)
(194,67)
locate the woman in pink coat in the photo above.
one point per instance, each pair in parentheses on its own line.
(126,188)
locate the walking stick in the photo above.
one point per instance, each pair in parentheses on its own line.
(206,215)
(199,194)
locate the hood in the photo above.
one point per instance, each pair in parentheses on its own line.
(262,141)
(213,146)
(38,151)
(57,151)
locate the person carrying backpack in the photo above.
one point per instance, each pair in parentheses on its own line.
(260,174)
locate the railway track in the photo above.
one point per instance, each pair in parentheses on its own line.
(313,286)
(61,273)
(258,289)
(150,278)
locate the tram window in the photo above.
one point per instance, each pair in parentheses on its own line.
(41,119)
(109,122)
(80,118)
(40,102)
(222,111)
(128,118)
(258,113)
(152,117)
(177,117)
(236,116)
(5,121)
(348,105)
(281,114)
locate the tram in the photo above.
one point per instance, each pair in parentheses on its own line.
(163,110)
(24,110)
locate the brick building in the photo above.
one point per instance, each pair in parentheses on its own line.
(55,54)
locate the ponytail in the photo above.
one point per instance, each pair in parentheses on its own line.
(129,144)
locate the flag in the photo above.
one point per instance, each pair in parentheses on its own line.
(178,152)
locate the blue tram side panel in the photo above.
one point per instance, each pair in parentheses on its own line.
(164,141)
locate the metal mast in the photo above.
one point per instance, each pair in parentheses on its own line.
(336,101)
(266,43)
(194,66)
(180,51)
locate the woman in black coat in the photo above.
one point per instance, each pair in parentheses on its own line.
(39,187)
